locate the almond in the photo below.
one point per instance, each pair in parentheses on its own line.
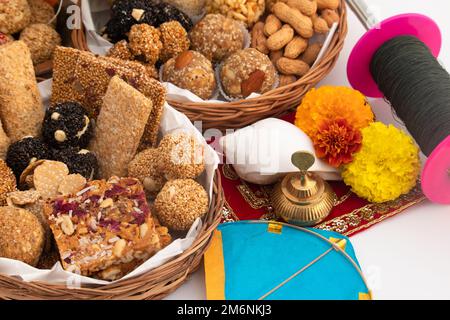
(183,59)
(253,83)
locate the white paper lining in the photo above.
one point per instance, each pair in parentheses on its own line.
(171,120)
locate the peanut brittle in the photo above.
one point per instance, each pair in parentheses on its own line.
(106,229)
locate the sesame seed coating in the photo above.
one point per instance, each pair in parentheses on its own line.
(21,235)
(7,182)
(41,12)
(145,41)
(197,76)
(174,38)
(180,202)
(121,50)
(216,37)
(14,16)
(42,41)
(182,156)
(238,67)
(146,166)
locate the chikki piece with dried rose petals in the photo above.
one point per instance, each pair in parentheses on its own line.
(106,229)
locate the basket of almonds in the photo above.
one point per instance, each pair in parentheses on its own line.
(227,63)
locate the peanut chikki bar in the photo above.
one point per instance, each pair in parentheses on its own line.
(83,77)
(21,109)
(105,230)
(119,128)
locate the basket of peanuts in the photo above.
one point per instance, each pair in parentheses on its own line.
(226,63)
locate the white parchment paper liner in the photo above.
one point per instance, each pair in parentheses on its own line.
(171,120)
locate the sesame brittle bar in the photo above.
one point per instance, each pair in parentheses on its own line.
(106,230)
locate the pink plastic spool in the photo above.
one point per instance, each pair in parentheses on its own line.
(436,173)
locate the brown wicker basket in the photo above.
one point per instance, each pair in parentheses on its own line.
(238,114)
(155,284)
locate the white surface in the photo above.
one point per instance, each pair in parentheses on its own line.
(408,256)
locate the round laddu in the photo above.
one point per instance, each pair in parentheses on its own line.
(174,38)
(14,16)
(121,50)
(79,161)
(247,71)
(24,152)
(67,125)
(8,182)
(180,203)
(145,42)
(182,156)
(192,71)
(42,41)
(42,12)
(146,167)
(21,235)
(217,37)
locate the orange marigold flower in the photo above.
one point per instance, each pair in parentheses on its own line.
(336,142)
(330,103)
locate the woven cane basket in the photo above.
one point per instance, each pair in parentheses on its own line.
(238,114)
(156,284)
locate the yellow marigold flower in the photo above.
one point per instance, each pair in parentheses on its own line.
(329,103)
(386,167)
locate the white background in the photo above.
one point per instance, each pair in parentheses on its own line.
(407,256)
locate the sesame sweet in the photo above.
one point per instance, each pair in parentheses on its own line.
(42,40)
(174,38)
(247,71)
(4,142)
(21,235)
(47,178)
(106,229)
(145,42)
(22,110)
(25,152)
(195,73)
(14,16)
(180,203)
(118,131)
(121,50)
(67,125)
(79,161)
(147,168)
(7,182)
(216,37)
(182,156)
(41,12)
(83,77)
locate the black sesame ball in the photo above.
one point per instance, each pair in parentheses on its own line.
(154,13)
(79,161)
(24,152)
(67,125)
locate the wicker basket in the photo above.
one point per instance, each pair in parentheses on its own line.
(155,284)
(238,114)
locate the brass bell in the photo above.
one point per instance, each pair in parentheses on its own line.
(303,198)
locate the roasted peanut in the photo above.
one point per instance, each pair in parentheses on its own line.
(311,53)
(280,38)
(307,7)
(273,24)
(327,4)
(292,67)
(275,55)
(259,40)
(320,25)
(330,16)
(286,80)
(295,48)
(301,23)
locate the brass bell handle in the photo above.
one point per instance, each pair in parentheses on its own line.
(303,160)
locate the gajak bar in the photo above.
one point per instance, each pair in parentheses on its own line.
(119,128)
(21,107)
